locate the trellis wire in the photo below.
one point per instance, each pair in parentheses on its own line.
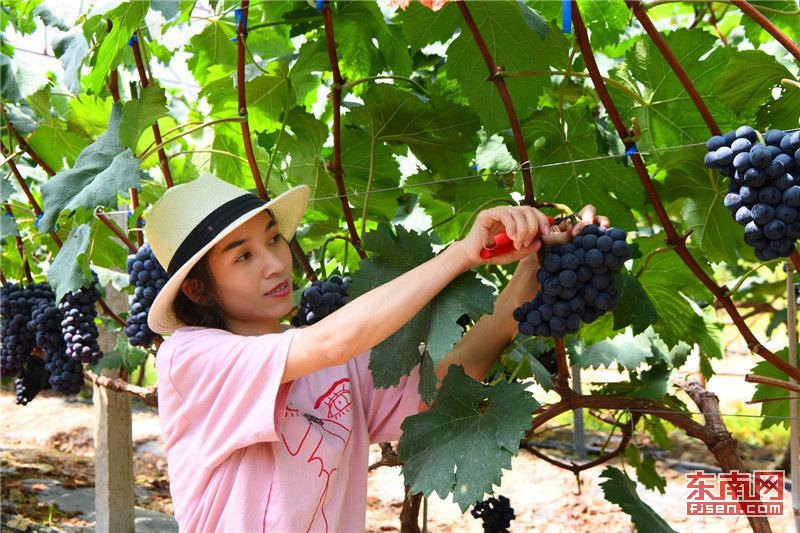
(667,411)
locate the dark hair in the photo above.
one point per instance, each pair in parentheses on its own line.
(192,313)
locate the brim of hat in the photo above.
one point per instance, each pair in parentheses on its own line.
(288,208)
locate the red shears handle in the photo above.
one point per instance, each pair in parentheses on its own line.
(502,243)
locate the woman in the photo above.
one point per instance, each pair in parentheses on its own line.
(267,427)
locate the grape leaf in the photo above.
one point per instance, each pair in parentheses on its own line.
(748,79)
(459,447)
(703,190)
(71,48)
(18,80)
(53,141)
(126,18)
(69,270)
(647,475)
(781,113)
(621,489)
(212,46)
(782,13)
(627,349)
(578,184)
(775,413)
(423,26)
(608,20)
(141,113)
(123,355)
(439,132)
(515,47)
(435,325)
(101,171)
(8,226)
(634,307)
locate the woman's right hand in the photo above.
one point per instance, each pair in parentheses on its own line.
(524,225)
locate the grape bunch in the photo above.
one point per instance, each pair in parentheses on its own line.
(577,282)
(45,321)
(66,373)
(496,514)
(321,299)
(77,324)
(16,303)
(764,187)
(33,379)
(148,277)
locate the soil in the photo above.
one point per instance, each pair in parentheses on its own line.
(50,441)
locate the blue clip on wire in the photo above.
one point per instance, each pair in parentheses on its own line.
(632,150)
(320,4)
(566,16)
(38,219)
(237,16)
(134,39)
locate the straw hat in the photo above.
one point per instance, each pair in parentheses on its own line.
(191,218)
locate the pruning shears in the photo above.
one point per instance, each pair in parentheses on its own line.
(501,243)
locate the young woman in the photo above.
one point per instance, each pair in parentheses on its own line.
(268,427)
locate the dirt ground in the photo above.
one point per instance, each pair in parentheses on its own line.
(52,439)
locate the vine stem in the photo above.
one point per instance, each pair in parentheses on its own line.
(241,35)
(163,161)
(336,101)
(496,77)
(561,383)
(25,147)
(117,231)
(673,239)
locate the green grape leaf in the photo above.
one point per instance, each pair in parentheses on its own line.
(123,355)
(101,172)
(774,413)
(459,447)
(210,47)
(266,100)
(8,226)
(513,45)
(578,184)
(53,141)
(621,490)
(634,307)
(49,18)
(141,113)
(647,475)
(703,190)
(608,21)
(18,80)
(423,26)
(71,48)
(782,13)
(783,112)
(438,132)
(435,325)
(126,20)
(88,116)
(628,350)
(748,79)
(69,270)
(665,113)
(21,118)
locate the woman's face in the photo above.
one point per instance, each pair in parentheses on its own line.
(252,269)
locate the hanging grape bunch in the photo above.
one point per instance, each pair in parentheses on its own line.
(33,379)
(496,514)
(148,277)
(764,187)
(577,280)
(77,324)
(321,299)
(18,341)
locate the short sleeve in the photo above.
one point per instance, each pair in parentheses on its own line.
(385,409)
(220,392)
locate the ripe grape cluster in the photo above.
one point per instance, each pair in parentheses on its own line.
(77,324)
(764,187)
(17,339)
(322,299)
(496,514)
(33,379)
(148,277)
(577,282)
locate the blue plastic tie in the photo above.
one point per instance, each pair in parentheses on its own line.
(140,223)
(566,16)
(237,16)
(320,4)
(133,39)
(632,150)
(38,219)
(9,215)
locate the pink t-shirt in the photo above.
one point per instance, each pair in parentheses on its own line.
(247,454)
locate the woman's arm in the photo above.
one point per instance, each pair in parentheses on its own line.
(483,344)
(374,316)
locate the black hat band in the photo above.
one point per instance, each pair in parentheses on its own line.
(211,226)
